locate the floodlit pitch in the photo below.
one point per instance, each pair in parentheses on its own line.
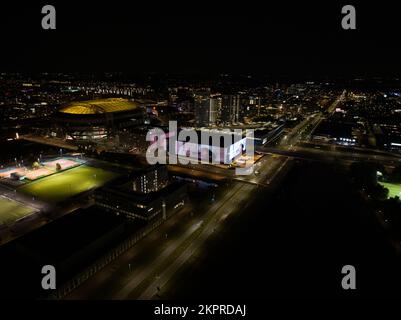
(11,211)
(63,185)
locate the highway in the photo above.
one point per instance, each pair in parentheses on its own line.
(207,227)
(154,261)
(332,154)
(127,275)
(306,127)
(262,170)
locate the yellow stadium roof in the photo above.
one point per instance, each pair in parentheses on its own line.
(100,106)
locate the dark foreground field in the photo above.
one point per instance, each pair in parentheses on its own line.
(293,243)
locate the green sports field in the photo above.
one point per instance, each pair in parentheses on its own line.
(60,186)
(394,189)
(11,211)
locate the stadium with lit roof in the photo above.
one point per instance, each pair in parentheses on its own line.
(98,119)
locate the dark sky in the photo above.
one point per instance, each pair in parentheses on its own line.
(283,38)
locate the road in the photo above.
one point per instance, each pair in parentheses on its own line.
(51,141)
(332,154)
(207,227)
(306,127)
(125,277)
(154,261)
(260,176)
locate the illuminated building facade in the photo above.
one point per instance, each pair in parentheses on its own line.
(92,120)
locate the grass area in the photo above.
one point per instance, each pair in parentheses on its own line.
(393,188)
(61,186)
(11,211)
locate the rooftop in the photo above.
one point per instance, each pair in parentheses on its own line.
(110,105)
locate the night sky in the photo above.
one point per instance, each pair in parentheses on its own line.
(203,37)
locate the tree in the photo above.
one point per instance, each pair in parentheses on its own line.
(58,167)
(35,165)
(379,192)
